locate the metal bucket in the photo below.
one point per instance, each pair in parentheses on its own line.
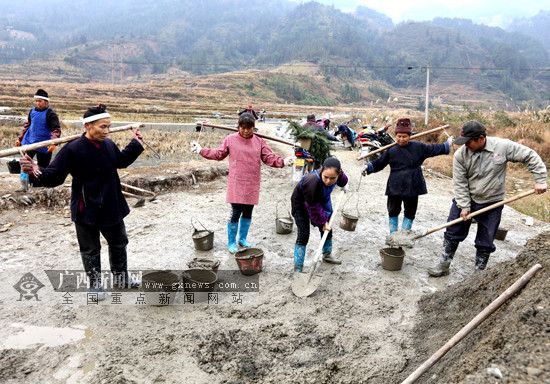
(249,260)
(199,283)
(14,166)
(203,238)
(392,258)
(501,234)
(283,225)
(160,287)
(348,222)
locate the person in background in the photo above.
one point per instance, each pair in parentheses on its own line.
(42,124)
(406,181)
(479,180)
(246,153)
(97,204)
(347,134)
(250,111)
(311,123)
(311,203)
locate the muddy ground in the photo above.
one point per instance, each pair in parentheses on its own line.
(363,324)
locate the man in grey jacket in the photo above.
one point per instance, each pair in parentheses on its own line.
(479,180)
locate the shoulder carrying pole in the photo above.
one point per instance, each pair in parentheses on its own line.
(61,140)
(257,134)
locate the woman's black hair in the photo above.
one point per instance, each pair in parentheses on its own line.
(100,108)
(332,163)
(247,120)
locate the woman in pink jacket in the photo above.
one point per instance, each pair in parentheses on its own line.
(246,152)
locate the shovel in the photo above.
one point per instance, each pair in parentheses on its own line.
(305,284)
(400,238)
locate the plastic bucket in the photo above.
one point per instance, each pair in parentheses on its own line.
(392,258)
(199,283)
(250,260)
(283,225)
(202,238)
(160,287)
(348,222)
(501,234)
(14,166)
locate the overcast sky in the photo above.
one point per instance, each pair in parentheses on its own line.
(491,12)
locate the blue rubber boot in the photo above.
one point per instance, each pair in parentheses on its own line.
(244,226)
(394,223)
(299,256)
(406,226)
(231,236)
(327,253)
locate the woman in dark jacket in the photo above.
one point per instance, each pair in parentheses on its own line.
(97,203)
(406,181)
(311,203)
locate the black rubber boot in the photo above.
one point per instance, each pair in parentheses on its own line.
(481,260)
(442,269)
(119,268)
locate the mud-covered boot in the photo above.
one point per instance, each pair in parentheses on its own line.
(393,223)
(406,226)
(24,183)
(327,253)
(232,237)
(442,269)
(481,260)
(299,256)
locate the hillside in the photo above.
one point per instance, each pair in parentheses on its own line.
(354,58)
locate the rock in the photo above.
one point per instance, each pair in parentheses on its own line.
(495,372)
(532,371)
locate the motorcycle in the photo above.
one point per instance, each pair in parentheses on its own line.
(372,138)
(304,164)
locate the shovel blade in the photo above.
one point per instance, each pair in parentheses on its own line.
(303,286)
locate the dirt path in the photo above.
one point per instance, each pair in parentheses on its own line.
(357,327)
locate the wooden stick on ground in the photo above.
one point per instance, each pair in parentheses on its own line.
(61,140)
(473,324)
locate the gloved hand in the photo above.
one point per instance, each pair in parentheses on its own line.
(18,143)
(540,188)
(345,188)
(366,170)
(51,148)
(289,161)
(450,140)
(29,167)
(195,147)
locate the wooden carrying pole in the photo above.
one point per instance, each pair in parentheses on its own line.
(488,208)
(61,140)
(393,144)
(257,134)
(473,324)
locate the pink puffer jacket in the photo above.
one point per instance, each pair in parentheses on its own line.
(245,161)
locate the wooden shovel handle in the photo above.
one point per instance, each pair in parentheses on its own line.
(325,235)
(488,208)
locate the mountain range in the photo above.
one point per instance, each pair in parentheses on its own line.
(133,41)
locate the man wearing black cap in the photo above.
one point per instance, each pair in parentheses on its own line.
(479,180)
(42,124)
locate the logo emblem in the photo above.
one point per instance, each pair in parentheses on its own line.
(28,287)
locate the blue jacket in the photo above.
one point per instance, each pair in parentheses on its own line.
(350,134)
(95,179)
(406,177)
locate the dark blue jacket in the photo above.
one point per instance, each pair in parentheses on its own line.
(95,179)
(406,177)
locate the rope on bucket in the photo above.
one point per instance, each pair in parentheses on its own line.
(198,139)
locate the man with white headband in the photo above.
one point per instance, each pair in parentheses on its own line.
(42,124)
(97,203)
